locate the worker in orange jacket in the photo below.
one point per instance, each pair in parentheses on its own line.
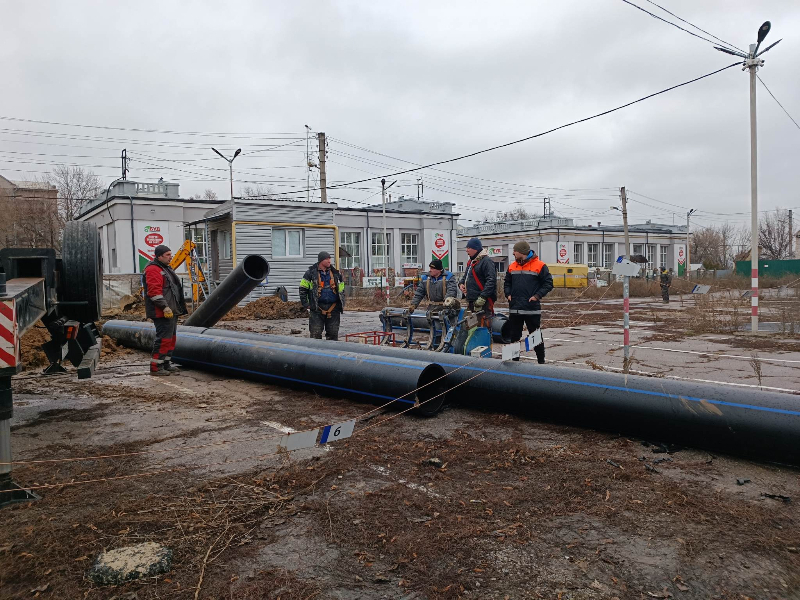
(163,302)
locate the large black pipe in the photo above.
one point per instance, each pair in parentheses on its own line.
(351,374)
(240,282)
(751,423)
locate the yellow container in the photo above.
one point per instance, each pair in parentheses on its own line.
(569,276)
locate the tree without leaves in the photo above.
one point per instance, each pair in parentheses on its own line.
(257,191)
(774,237)
(75,185)
(208,194)
(519,213)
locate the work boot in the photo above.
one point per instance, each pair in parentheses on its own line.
(159,373)
(170,368)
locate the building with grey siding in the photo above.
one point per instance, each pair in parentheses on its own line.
(289,235)
(559,240)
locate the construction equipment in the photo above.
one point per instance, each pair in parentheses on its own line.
(450,330)
(66,295)
(188,254)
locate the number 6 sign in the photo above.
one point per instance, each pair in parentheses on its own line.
(332,433)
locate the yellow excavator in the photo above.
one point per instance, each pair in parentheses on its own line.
(187,253)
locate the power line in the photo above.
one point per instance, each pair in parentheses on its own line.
(695,26)
(655,16)
(776,100)
(164,131)
(537,135)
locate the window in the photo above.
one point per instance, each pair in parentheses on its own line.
(351,242)
(638,249)
(577,254)
(460,267)
(225,245)
(608,255)
(500,266)
(287,242)
(409,247)
(379,250)
(662,260)
(651,255)
(593,250)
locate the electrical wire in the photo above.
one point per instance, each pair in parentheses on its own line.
(655,16)
(695,26)
(537,135)
(776,100)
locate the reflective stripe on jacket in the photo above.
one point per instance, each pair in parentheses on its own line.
(483,268)
(310,288)
(522,282)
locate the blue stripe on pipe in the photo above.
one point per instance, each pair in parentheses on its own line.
(553,379)
(303,381)
(325,433)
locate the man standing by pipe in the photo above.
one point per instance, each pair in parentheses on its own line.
(322,294)
(163,302)
(437,286)
(479,283)
(528,281)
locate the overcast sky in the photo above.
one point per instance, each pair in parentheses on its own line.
(420,82)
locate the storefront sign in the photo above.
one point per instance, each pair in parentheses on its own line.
(372,282)
(495,251)
(149,235)
(563,253)
(441,247)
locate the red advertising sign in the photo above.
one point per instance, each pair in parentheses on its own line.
(439,243)
(153,239)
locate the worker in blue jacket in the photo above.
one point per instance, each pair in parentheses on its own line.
(438,285)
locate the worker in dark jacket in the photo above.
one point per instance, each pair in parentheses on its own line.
(666,282)
(163,302)
(527,281)
(322,294)
(479,283)
(438,285)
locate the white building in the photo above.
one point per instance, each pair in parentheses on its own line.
(559,240)
(134,218)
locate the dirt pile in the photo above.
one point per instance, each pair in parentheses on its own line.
(31,346)
(268,307)
(111,348)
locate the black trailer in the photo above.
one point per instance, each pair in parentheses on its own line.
(66,294)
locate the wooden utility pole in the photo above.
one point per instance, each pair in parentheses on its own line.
(791,235)
(323,178)
(626,286)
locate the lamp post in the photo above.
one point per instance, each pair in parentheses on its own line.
(626,285)
(230,164)
(751,63)
(384,187)
(688,248)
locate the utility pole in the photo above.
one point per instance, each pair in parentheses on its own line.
(385,238)
(626,286)
(323,177)
(791,235)
(308,168)
(688,250)
(420,189)
(751,63)
(124,164)
(230,164)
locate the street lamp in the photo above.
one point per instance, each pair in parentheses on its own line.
(751,63)
(230,164)
(384,187)
(688,250)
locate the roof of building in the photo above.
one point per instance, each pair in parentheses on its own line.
(34,185)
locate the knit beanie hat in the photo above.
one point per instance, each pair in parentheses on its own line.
(475,244)
(160,250)
(322,256)
(436,264)
(522,247)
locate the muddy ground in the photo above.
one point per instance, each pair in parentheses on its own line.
(468,504)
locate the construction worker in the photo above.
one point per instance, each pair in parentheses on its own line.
(666,281)
(322,294)
(163,302)
(527,281)
(479,283)
(438,285)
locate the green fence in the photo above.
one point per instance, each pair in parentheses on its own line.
(770,268)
